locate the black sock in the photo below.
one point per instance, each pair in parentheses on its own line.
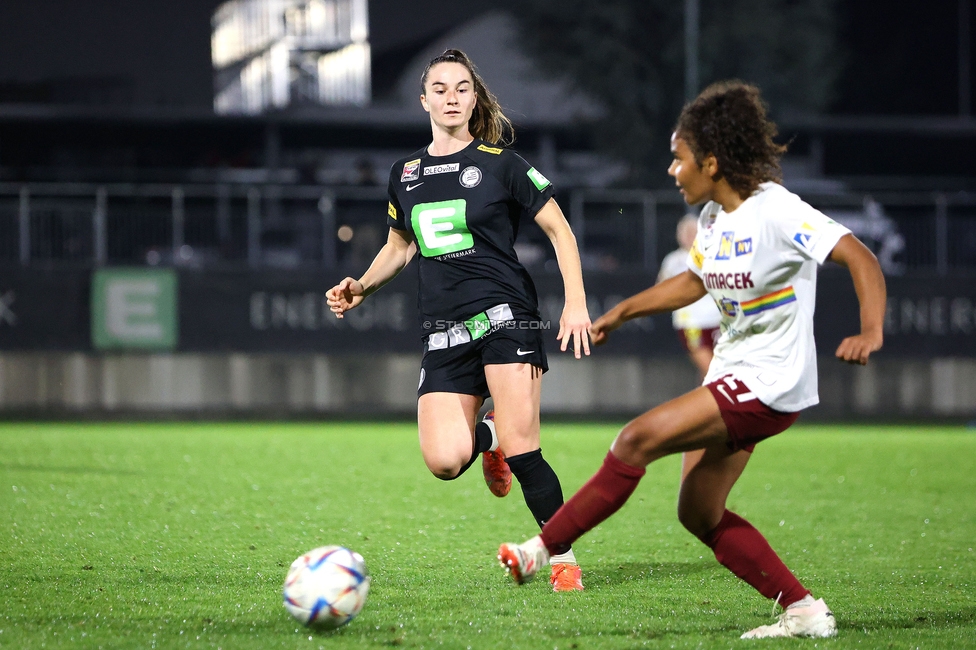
(540,485)
(482,438)
(482,443)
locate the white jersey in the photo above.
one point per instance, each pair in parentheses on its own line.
(759,264)
(701,314)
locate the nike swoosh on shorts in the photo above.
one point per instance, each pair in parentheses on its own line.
(522,353)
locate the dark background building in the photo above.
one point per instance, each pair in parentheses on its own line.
(112,157)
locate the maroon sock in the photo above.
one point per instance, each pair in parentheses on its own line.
(745,552)
(599,498)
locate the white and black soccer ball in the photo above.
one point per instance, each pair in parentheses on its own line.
(326,587)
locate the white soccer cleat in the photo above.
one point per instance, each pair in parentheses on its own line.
(523,561)
(808,617)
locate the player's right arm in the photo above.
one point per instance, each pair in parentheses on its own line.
(395,254)
(673,293)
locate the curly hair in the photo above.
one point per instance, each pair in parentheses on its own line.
(728,120)
(487,122)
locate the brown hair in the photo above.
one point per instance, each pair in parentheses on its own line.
(487,121)
(728,120)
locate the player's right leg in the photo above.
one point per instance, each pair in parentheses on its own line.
(451,392)
(446,423)
(689,422)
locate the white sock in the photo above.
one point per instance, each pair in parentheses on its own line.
(494,436)
(563,558)
(535,545)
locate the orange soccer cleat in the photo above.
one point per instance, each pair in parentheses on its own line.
(566,577)
(498,476)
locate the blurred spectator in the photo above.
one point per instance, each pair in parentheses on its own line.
(365,173)
(697,324)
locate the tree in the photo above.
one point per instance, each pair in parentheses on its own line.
(629,56)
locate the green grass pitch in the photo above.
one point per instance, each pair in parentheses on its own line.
(179,536)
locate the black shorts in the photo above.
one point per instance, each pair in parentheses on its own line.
(461,369)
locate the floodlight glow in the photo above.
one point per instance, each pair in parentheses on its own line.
(273,53)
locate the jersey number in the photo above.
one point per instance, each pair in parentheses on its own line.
(441,227)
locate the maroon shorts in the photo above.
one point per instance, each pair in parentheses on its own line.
(694,339)
(747,420)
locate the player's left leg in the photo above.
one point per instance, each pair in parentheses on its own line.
(707,478)
(498,475)
(516,390)
(736,543)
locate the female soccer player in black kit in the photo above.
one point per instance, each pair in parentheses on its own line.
(458,202)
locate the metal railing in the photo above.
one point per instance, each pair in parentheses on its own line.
(910,232)
(341,227)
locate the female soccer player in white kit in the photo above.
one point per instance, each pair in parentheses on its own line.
(756,253)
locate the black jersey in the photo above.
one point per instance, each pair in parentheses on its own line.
(463,211)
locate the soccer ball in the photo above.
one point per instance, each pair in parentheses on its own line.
(326,587)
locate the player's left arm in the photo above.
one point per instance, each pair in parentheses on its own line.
(574,323)
(869,283)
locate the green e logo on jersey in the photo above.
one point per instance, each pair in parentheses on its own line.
(441,227)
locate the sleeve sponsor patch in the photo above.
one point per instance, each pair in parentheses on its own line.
(411,171)
(493,150)
(540,181)
(806,230)
(391,211)
(807,237)
(807,240)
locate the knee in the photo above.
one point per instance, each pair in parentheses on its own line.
(446,469)
(445,472)
(636,444)
(691,519)
(697,520)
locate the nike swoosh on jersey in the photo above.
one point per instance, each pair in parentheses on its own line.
(522,353)
(413,187)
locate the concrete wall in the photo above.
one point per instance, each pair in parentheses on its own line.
(51,384)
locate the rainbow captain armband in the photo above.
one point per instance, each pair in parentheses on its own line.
(769,301)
